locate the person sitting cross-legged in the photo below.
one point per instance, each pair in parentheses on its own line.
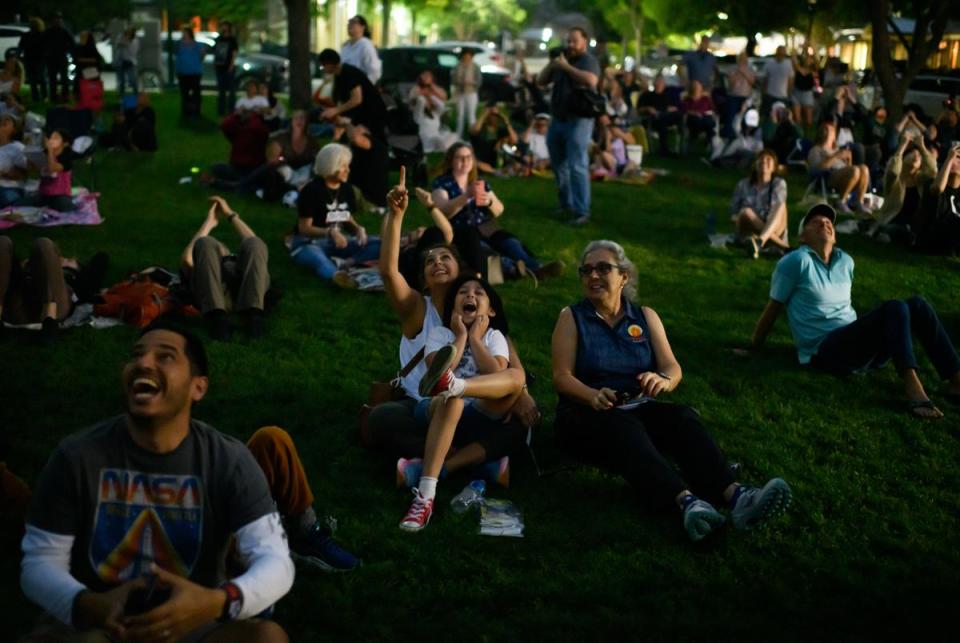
(219,280)
(813,283)
(150,500)
(759,206)
(326,228)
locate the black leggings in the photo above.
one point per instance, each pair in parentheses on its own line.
(634,444)
(394,429)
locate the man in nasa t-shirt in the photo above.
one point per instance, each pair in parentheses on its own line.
(156,493)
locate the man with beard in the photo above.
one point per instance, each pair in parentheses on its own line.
(570,131)
(130,519)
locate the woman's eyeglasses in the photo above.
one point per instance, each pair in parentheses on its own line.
(602,268)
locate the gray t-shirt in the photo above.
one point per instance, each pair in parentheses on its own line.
(778,77)
(563,85)
(128,507)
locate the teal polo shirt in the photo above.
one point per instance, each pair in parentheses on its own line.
(817,296)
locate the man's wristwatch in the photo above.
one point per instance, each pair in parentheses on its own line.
(231,609)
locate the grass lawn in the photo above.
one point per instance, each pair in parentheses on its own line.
(868,550)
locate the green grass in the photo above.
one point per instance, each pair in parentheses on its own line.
(868,550)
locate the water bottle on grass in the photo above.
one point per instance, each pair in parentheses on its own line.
(471,495)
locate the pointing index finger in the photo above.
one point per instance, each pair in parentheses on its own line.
(403,177)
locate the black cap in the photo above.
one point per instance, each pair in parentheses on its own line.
(818,210)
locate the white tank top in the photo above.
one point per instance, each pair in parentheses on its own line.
(410,347)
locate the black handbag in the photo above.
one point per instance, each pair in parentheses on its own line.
(586,103)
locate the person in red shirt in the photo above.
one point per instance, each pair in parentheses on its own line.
(698,112)
(248,136)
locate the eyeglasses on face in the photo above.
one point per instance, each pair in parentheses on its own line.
(602,268)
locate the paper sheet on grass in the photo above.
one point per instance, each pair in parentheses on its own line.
(500,518)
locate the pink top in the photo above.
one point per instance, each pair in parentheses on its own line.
(56,184)
(701,105)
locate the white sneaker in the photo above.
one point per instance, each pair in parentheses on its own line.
(756,506)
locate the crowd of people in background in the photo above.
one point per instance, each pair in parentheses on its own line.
(463,400)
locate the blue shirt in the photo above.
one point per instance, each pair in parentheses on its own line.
(701,65)
(471,215)
(817,296)
(612,356)
(190,59)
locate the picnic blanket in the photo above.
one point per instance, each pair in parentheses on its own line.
(85,212)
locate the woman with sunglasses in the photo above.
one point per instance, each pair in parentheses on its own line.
(611,363)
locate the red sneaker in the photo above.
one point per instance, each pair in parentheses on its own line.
(439,375)
(419,513)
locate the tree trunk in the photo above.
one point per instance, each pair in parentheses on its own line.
(638,30)
(298,49)
(894,89)
(385,32)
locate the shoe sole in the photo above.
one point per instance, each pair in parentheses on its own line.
(414,528)
(773,501)
(442,361)
(315,563)
(713,521)
(402,482)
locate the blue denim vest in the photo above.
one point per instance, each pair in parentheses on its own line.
(612,357)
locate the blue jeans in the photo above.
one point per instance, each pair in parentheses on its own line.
(730,114)
(316,253)
(512,248)
(887,333)
(568,143)
(126,73)
(226,90)
(9,196)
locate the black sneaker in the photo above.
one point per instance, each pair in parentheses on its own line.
(256,323)
(218,325)
(49,329)
(317,548)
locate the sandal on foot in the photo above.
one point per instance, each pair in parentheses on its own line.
(913,406)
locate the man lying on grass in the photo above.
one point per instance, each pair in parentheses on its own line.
(127,528)
(814,283)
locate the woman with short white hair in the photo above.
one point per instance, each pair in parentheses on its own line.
(325,227)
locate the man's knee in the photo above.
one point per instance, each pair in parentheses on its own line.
(896,309)
(255,247)
(269,438)
(44,246)
(920,307)
(206,247)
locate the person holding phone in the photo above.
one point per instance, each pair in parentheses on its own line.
(470,202)
(612,362)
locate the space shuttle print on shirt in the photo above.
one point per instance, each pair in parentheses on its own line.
(338,212)
(143,518)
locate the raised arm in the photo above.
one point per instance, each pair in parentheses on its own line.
(765,323)
(231,215)
(944,176)
(209,223)
(450,207)
(406,302)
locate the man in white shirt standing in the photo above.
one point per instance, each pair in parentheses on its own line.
(130,519)
(778,84)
